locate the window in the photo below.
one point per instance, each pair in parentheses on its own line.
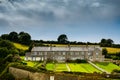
(71,53)
(59,53)
(35,53)
(63,53)
(97,53)
(40,53)
(45,53)
(89,53)
(77,53)
(82,53)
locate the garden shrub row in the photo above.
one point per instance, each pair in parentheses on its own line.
(76,61)
(116,71)
(26,67)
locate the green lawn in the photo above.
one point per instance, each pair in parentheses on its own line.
(50,66)
(74,67)
(83,67)
(22,57)
(112,50)
(33,63)
(107,66)
(60,67)
(20,46)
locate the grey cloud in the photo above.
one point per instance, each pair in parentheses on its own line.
(3,22)
(39,12)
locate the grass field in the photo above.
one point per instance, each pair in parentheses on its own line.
(83,67)
(50,66)
(112,50)
(107,66)
(33,63)
(60,67)
(30,63)
(74,67)
(20,46)
(22,57)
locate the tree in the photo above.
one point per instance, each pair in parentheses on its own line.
(110,42)
(62,38)
(104,52)
(103,42)
(4,36)
(6,44)
(13,36)
(24,38)
(30,47)
(106,42)
(3,52)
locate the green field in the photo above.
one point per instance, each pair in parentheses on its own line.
(83,67)
(20,46)
(107,66)
(33,63)
(74,67)
(50,66)
(60,67)
(112,50)
(22,57)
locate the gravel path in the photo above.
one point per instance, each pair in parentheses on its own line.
(68,67)
(98,67)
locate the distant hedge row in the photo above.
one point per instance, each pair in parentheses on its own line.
(26,68)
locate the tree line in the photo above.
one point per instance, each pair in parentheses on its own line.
(25,38)
(63,39)
(22,37)
(108,43)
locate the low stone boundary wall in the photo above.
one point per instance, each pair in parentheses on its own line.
(21,74)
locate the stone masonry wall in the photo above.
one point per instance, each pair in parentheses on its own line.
(20,74)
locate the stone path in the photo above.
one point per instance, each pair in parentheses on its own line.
(98,67)
(68,67)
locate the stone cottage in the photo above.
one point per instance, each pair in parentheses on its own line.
(85,52)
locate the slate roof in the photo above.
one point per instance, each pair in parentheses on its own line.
(83,48)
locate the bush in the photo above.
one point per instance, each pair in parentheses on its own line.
(24,63)
(22,52)
(7,76)
(116,70)
(25,67)
(76,61)
(80,61)
(41,67)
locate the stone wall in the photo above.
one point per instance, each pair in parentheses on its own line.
(20,74)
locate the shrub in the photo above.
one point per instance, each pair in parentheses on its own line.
(26,68)
(7,76)
(24,63)
(76,61)
(41,67)
(116,70)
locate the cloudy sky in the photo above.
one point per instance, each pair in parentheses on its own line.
(80,20)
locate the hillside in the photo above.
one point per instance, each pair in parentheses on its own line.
(20,46)
(112,50)
(24,47)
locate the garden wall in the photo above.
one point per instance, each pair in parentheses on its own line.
(20,74)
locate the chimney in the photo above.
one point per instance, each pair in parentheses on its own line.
(50,47)
(69,46)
